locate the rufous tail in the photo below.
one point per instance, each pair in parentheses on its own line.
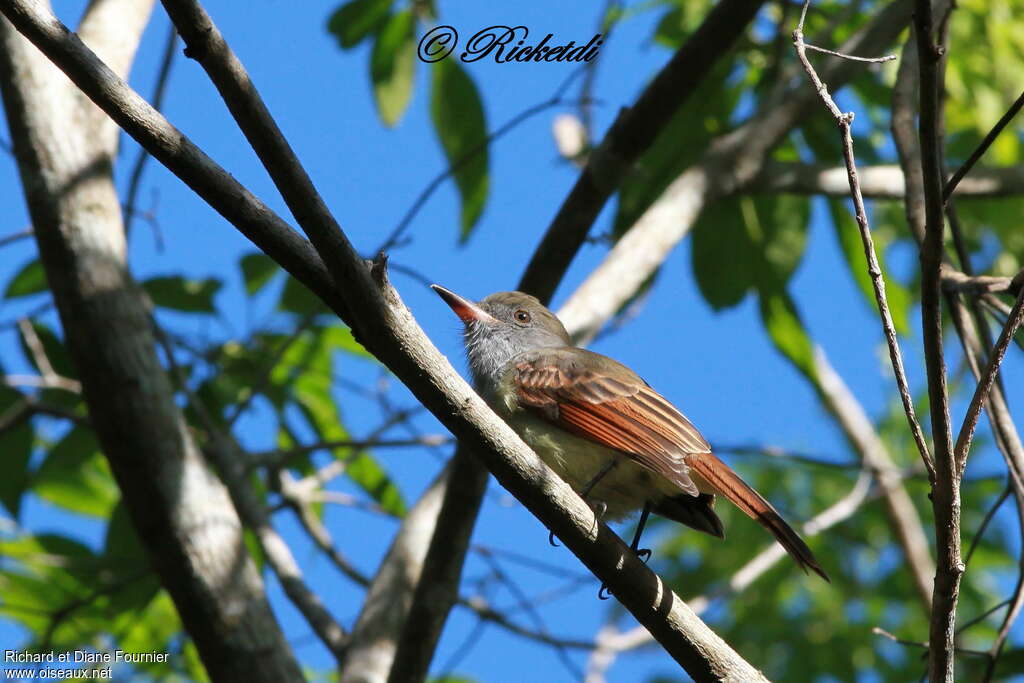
(729,484)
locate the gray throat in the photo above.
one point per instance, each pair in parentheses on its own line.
(489,353)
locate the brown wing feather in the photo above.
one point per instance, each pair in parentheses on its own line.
(619,412)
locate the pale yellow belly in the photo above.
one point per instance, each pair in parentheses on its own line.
(623,490)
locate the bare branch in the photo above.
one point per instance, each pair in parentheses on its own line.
(15,236)
(953,182)
(955,281)
(880,181)
(874,269)
(981,392)
(867,60)
(630,136)
(35,347)
(946,491)
(865,440)
(160,89)
(42,382)
(729,163)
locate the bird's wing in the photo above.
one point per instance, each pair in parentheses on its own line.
(566,388)
(621,412)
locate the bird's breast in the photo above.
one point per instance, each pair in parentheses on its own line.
(624,489)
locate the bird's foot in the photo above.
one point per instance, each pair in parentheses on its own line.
(551,539)
(644,554)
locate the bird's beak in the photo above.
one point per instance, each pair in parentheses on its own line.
(464,308)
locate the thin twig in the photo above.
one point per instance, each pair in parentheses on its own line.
(871,60)
(844,120)
(963,442)
(981,617)
(163,77)
(527,605)
(985,522)
(15,236)
(35,347)
(951,184)
(395,237)
(1017,599)
(42,382)
(924,646)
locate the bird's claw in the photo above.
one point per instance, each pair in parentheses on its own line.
(551,539)
(603,593)
(643,553)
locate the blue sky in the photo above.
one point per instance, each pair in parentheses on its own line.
(718,367)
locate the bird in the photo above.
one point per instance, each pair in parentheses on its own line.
(604,430)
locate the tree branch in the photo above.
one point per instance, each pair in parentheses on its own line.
(951,185)
(865,440)
(880,181)
(946,492)
(630,136)
(373,309)
(730,162)
(985,381)
(633,132)
(181,512)
(874,269)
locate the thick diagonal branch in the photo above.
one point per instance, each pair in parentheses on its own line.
(373,309)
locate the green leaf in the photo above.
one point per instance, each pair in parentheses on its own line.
(341,338)
(16,446)
(392,66)
(121,544)
(679,23)
(311,391)
(780,222)
(181,294)
(31,279)
(257,270)
(744,242)
(76,476)
(852,247)
(252,544)
(193,663)
(458,116)
(154,626)
(296,298)
(353,21)
(682,142)
(723,257)
(784,327)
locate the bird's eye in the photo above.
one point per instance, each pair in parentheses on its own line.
(522,316)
